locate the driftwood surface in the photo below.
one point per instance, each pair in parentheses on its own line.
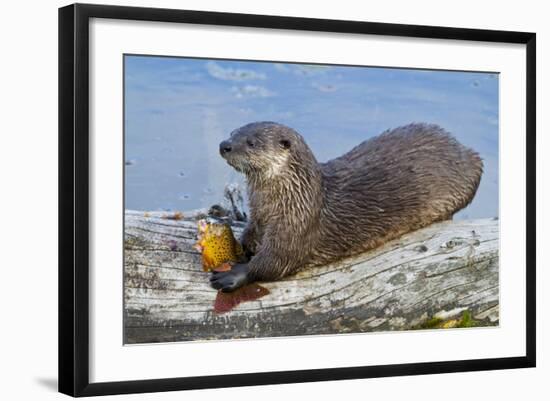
(432,275)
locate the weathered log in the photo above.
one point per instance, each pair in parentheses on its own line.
(445,275)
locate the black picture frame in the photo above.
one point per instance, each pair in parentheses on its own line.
(74,198)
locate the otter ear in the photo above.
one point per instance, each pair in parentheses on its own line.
(285,143)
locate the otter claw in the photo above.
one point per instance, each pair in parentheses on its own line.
(228,281)
(224,281)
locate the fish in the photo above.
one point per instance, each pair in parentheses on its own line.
(218,245)
(220,251)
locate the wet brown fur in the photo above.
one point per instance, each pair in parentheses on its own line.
(305,213)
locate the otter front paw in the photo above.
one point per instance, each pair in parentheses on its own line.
(247,252)
(230,280)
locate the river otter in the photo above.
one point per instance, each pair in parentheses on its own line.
(305,213)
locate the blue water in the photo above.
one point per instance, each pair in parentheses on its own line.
(177,110)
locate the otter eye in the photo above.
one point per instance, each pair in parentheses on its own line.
(250,143)
(285,143)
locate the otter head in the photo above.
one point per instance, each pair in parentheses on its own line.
(265,150)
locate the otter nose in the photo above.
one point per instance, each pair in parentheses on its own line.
(225,147)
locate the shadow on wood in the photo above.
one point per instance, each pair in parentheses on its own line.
(434,277)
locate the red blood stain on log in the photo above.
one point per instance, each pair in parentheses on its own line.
(225,301)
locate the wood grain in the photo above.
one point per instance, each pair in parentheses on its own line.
(435,273)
